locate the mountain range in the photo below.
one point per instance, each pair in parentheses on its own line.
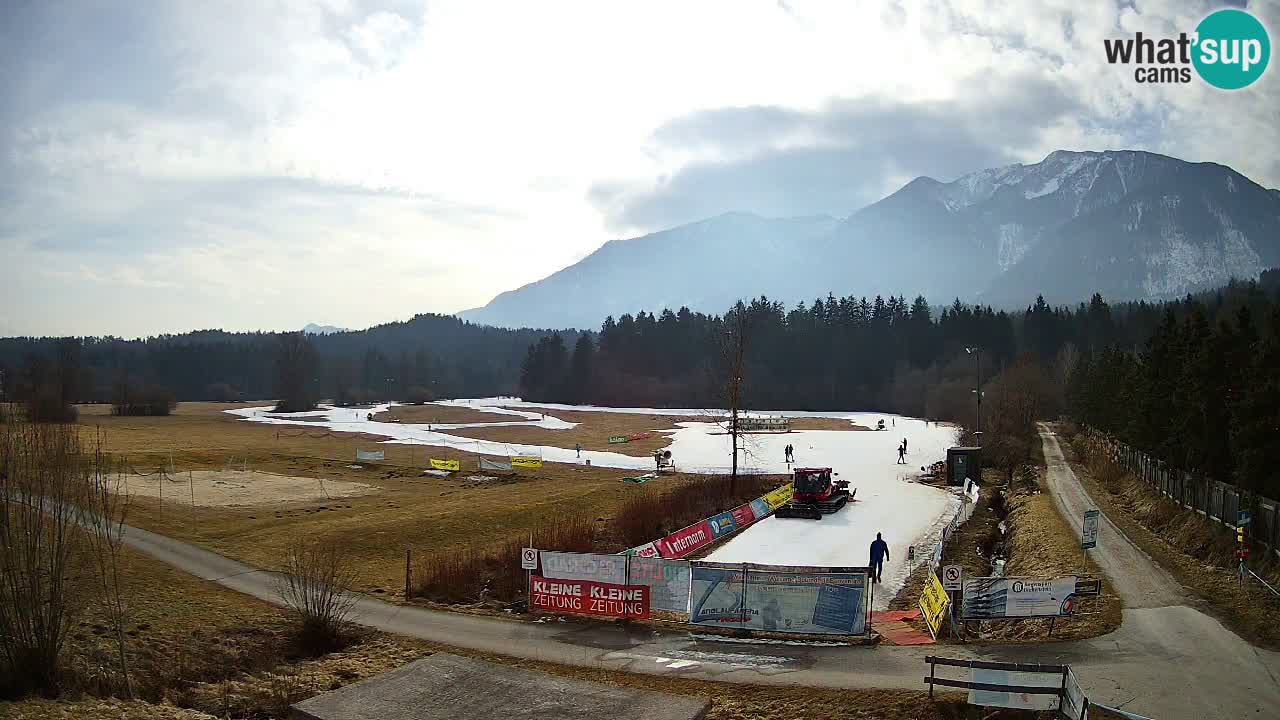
(1128,224)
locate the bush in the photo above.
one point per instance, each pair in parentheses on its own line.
(471,575)
(45,405)
(317,586)
(419,395)
(654,513)
(139,399)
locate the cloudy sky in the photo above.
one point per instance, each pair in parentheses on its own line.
(166,166)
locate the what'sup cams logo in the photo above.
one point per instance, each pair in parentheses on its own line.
(1229,50)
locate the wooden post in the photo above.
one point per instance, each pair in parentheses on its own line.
(1051,621)
(408,557)
(931,669)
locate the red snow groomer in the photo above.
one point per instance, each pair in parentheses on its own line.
(815,493)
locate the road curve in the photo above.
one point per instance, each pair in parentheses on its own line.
(1165,661)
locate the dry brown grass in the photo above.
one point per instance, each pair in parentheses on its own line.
(593,431)
(436,414)
(226,655)
(1199,553)
(409,510)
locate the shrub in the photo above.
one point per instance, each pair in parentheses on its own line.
(133,398)
(317,586)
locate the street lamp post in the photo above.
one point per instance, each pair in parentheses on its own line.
(976,352)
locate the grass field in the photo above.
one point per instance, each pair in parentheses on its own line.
(199,651)
(405,510)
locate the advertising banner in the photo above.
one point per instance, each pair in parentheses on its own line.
(933,604)
(667,580)
(1007,699)
(777,498)
(498,465)
(759,509)
(451,465)
(615,439)
(526,462)
(737,596)
(722,524)
(589,598)
(742,516)
(371,455)
(647,550)
(610,569)
(1017,597)
(686,540)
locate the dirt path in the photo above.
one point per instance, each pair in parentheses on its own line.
(1140,582)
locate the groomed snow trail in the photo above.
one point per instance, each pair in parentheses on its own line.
(906,513)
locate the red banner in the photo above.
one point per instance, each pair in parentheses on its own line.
(682,542)
(742,515)
(589,598)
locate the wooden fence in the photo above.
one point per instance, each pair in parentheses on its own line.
(1215,500)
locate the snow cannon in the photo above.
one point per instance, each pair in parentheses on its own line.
(814,493)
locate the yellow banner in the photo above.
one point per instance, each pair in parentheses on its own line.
(452,465)
(933,604)
(777,498)
(526,462)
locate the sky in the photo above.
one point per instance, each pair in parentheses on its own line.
(262,164)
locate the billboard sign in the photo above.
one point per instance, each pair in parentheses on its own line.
(498,465)
(647,550)
(777,498)
(450,465)
(526,462)
(743,516)
(589,598)
(933,604)
(759,509)
(667,580)
(371,455)
(686,540)
(992,598)
(595,567)
(746,597)
(1089,535)
(722,524)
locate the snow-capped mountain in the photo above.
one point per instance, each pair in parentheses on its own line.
(1127,224)
(314,329)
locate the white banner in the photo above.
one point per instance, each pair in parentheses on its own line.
(610,569)
(371,455)
(1017,597)
(1023,701)
(499,465)
(667,580)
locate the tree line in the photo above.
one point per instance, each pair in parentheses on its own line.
(427,356)
(1202,393)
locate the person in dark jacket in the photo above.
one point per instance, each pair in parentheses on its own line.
(879,554)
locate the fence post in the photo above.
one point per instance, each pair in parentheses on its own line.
(408,591)
(931,669)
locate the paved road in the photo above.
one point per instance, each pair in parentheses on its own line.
(1169,661)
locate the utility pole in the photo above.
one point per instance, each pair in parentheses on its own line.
(976,352)
(735,355)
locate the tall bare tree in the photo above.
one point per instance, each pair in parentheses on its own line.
(733,354)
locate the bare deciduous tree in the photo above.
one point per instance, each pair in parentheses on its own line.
(317,585)
(54,500)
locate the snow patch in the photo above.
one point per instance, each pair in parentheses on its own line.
(1049,187)
(1012,246)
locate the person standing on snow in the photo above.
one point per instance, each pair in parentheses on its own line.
(902,455)
(577,447)
(879,554)
(904,446)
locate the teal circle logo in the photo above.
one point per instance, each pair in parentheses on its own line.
(1232,49)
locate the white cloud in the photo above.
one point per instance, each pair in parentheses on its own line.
(357,161)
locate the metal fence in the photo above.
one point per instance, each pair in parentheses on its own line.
(1215,500)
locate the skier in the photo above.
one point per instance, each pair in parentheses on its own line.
(879,554)
(902,455)
(577,447)
(904,445)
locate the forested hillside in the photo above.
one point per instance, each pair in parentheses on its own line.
(440,353)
